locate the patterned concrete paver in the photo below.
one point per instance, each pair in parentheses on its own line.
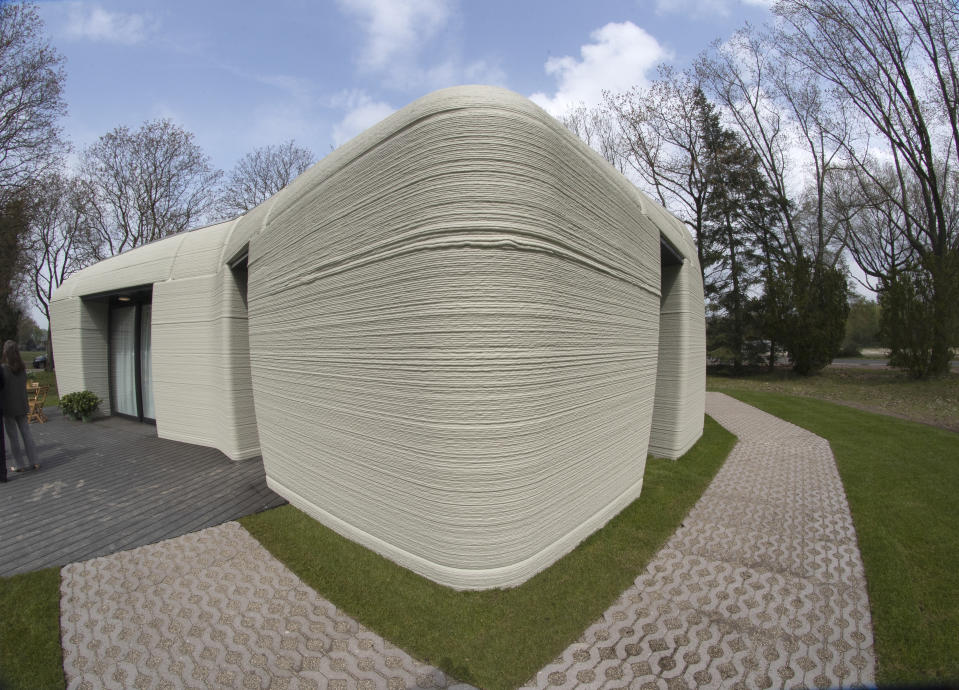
(214,609)
(112,485)
(762,585)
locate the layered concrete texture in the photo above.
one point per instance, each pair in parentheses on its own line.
(202,389)
(462,337)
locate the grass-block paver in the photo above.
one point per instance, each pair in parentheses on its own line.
(215,609)
(762,586)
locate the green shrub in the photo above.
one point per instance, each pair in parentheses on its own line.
(805,310)
(919,321)
(80,405)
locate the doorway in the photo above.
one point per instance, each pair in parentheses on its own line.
(666,434)
(131,371)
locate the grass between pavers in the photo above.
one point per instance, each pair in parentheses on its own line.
(30,654)
(883,390)
(902,483)
(496,638)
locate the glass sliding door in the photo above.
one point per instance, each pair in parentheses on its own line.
(131,370)
(123,360)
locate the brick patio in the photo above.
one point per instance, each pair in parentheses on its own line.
(112,485)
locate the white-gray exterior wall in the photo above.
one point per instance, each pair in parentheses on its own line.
(454,338)
(200,350)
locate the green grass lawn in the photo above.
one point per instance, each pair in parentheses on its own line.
(902,483)
(496,638)
(30,655)
(887,391)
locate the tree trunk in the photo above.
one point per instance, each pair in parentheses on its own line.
(737,308)
(945,313)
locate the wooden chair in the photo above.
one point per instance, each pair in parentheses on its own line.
(36,402)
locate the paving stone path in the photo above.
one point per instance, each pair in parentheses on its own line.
(214,609)
(762,586)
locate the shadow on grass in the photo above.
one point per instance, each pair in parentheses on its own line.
(496,638)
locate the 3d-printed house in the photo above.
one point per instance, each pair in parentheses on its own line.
(452,340)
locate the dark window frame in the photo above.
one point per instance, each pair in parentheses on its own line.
(138,297)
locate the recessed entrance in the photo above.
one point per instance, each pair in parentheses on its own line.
(131,371)
(666,436)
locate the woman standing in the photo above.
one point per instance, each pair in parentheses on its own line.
(15,407)
(3,442)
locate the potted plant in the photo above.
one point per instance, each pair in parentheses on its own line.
(80,405)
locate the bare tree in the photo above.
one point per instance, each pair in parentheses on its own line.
(665,134)
(873,226)
(260,174)
(894,63)
(820,129)
(145,184)
(14,226)
(59,242)
(664,141)
(597,127)
(676,145)
(791,126)
(31,100)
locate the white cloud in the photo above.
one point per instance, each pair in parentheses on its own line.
(94,23)
(362,113)
(412,45)
(618,58)
(450,72)
(482,72)
(700,9)
(395,29)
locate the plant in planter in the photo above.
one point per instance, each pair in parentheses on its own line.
(80,405)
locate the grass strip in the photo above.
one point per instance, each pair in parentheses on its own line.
(902,483)
(496,638)
(30,654)
(886,391)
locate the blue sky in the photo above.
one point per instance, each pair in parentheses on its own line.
(242,74)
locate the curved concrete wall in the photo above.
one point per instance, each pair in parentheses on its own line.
(200,352)
(462,377)
(681,369)
(454,338)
